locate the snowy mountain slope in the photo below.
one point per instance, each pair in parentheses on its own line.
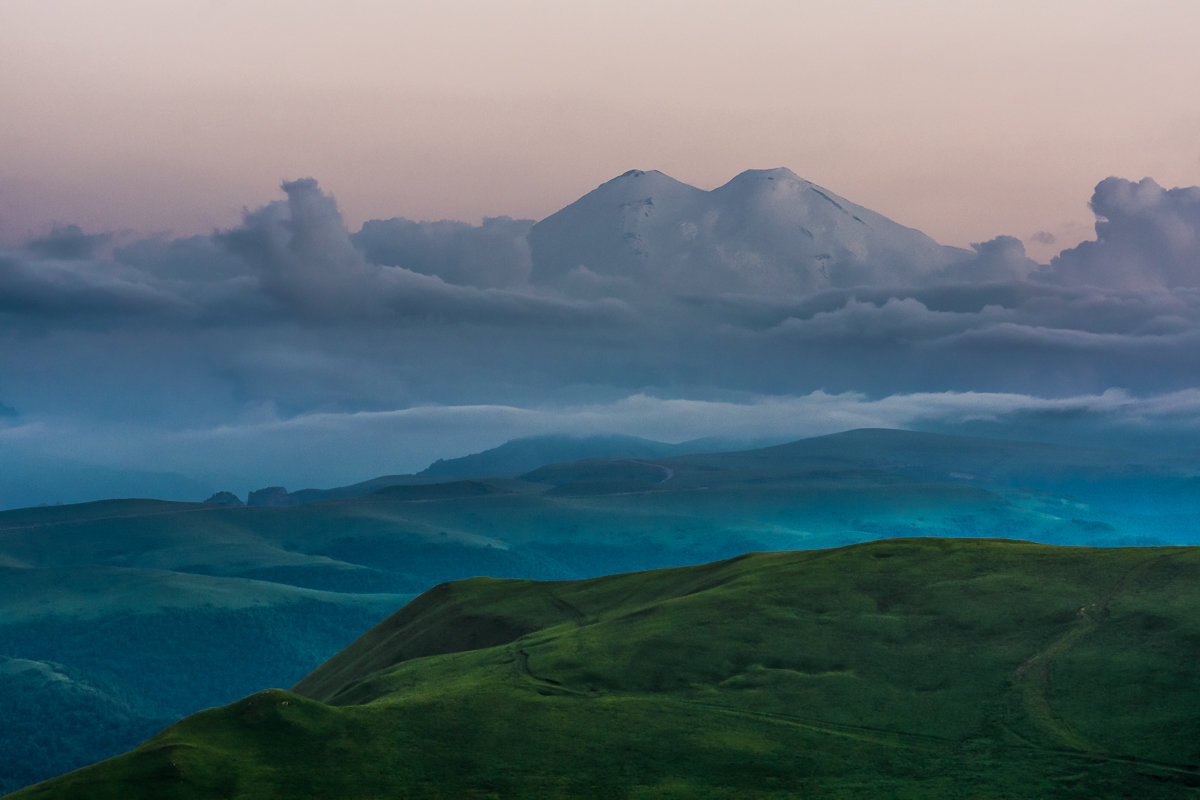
(764,232)
(616,231)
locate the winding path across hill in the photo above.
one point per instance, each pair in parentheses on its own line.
(1034,675)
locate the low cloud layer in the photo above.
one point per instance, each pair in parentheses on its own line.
(289,349)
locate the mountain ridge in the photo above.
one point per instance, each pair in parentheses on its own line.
(513,457)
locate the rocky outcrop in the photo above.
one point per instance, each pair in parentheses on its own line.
(224,499)
(270,496)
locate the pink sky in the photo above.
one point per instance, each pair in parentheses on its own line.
(966,120)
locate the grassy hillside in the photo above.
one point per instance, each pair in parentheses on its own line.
(918,668)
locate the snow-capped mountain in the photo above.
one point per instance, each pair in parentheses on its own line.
(764,232)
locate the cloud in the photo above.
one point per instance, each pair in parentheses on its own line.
(193,260)
(1000,259)
(493,255)
(87,288)
(301,254)
(68,242)
(1146,237)
(896,318)
(306,261)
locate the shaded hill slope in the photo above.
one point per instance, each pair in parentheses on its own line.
(908,668)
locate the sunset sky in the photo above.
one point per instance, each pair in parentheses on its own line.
(965,120)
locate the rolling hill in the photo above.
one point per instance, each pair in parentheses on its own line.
(914,668)
(511,458)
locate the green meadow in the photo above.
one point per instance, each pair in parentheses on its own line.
(904,668)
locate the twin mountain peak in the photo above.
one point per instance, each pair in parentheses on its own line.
(765,231)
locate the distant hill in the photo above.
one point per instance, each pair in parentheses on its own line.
(529,453)
(511,458)
(522,455)
(911,668)
(27,481)
(1157,482)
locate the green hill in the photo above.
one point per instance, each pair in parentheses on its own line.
(917,668)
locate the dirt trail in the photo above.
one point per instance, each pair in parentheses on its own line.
(1033,680)
(1033,677)
(542,685)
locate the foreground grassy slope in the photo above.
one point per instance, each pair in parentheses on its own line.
(905,668)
